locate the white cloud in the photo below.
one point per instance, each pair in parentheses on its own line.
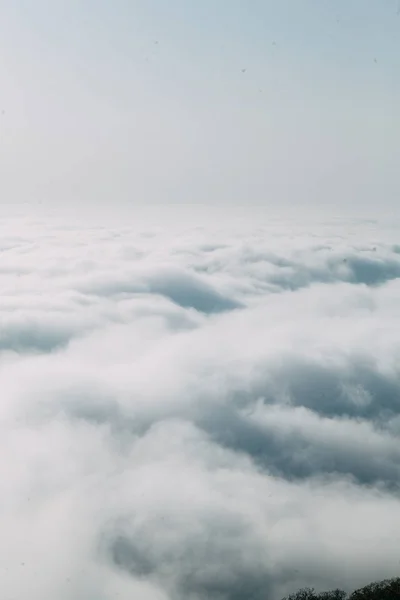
(197,413)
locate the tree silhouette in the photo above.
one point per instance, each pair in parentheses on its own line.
(310,594)
(388,589)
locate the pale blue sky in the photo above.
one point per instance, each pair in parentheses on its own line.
(130,101)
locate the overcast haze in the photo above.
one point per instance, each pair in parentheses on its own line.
(269,102)
(199,298)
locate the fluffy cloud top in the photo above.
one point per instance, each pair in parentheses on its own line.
(197,414)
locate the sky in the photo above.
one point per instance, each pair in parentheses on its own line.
(199,298)
(289,104)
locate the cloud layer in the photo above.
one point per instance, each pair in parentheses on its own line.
(198,413)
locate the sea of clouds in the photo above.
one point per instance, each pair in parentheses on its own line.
(203,412)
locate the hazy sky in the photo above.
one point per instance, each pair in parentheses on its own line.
(282,102)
